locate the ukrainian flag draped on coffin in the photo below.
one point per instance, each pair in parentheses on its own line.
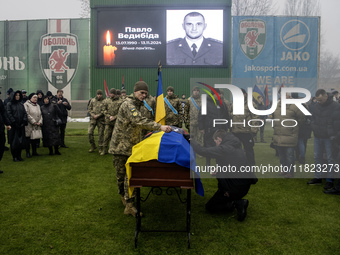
(166,148)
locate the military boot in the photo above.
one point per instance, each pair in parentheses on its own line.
(130,209)
(93,147)
(103,151)
(123,200)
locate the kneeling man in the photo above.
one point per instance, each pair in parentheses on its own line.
(232,187)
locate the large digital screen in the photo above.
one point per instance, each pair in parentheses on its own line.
(143,36)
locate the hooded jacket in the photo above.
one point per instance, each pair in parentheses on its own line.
(40,100)
(16,112)
(17,117)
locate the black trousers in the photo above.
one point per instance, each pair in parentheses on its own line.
(62,129)
(221,203)
(2,143)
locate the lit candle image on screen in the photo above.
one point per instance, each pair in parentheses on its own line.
(109,50)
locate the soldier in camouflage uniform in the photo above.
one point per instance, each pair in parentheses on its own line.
(173,116)
(183,102)
(126,134)
(192,109)
(148,110)
(96,112)
(123,94)
(119,93)
(111,107)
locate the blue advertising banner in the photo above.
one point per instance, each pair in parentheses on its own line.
(275,51)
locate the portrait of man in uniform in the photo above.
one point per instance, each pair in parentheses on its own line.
(195,48)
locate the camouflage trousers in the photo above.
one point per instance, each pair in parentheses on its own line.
(101,128)
(122,179)
(108,135)
(196,134)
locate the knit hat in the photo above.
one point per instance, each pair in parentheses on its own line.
(31,95)
(113,91)
(9,91)
(23,91)
(118,92)
(48,93)
(170,88)
(100,92)
(123,91)
(196,88)
(141,85)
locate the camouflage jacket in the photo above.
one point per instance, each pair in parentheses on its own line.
(96,108)
(191,112)
(171,118)
(111,107)
(129,123)
(145,112)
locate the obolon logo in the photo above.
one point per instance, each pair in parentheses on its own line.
(252,37)
(59,58)
(238,100)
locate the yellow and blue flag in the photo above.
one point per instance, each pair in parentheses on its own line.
(166,148)
(266,97)
(160,108)
(256,93)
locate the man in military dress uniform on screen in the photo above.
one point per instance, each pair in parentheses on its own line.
(194,48)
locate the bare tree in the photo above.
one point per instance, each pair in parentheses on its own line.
(302,8)
(85,9)
(253,7)
(329,65)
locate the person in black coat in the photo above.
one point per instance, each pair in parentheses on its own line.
(321,115)
(40,95)
(64,107)
(51,137)
(3,121)
(9,96)
(333,127)
(17,117)
(232,187)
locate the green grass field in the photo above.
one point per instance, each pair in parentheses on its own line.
(69,204)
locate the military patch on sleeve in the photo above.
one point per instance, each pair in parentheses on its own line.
(133,109)
(135,114)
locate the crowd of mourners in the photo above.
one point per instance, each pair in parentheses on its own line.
(30,119)
(123,121)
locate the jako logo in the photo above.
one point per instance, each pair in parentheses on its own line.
(295,35)
(238,100)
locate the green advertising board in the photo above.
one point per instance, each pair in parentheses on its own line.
(27,58)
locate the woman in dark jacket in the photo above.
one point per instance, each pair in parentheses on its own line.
(40,95)
(51,137)
(17,117)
